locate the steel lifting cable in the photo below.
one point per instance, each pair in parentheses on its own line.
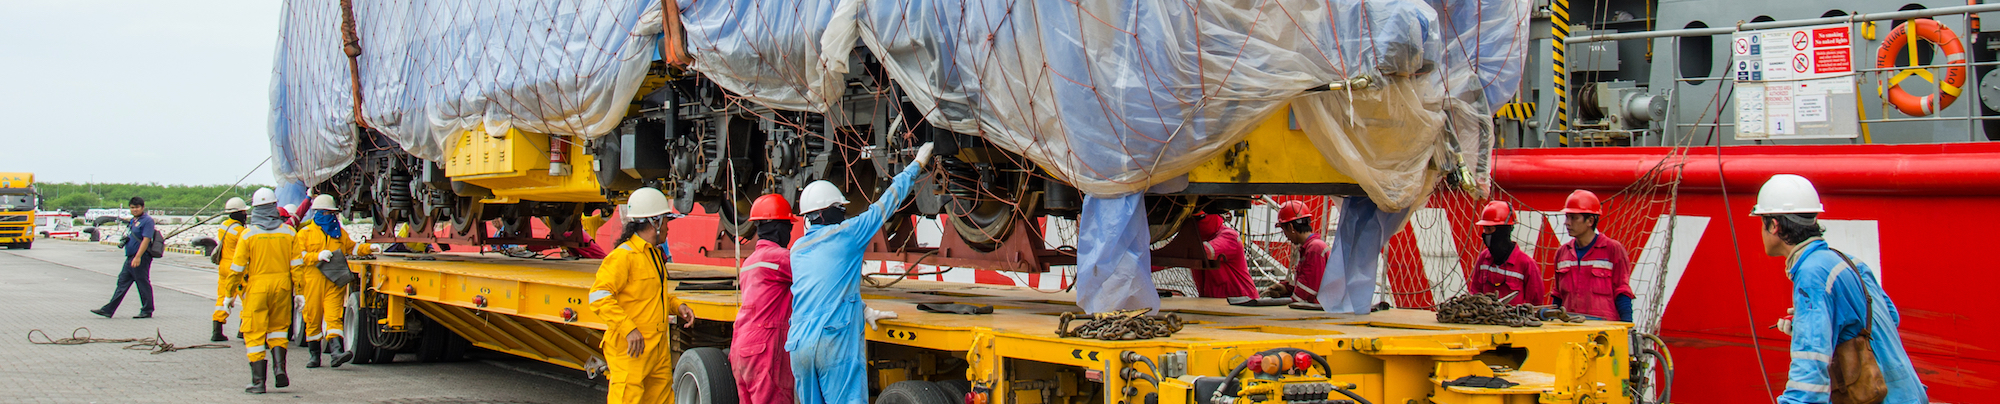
(82,336)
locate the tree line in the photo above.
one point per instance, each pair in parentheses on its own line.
(164,199)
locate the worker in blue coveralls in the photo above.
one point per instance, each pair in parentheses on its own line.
(829,360)
(1834,299)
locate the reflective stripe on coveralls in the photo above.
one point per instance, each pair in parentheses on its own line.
(828,361)
(227,280)
(629,293)
(1312,266)
(756,356)
(326,304)
(1588,285)
(1519,274)
(266,257)
(1828,308)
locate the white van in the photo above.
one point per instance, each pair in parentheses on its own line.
(55,224)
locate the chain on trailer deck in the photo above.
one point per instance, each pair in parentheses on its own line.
(1491,309)
(1122,325)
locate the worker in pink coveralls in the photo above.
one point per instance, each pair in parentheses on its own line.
(757,348)
(1503,269)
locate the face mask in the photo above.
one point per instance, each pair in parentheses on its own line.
(1499,244)
(828,216)
(777,231)
(239,216)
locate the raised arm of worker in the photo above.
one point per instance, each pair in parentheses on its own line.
(867,223)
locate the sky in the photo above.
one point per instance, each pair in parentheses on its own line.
(153,91)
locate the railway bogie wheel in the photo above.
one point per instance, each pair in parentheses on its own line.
(702,376)
(916,392)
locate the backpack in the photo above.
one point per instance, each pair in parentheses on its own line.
(158,245)
(1856,378)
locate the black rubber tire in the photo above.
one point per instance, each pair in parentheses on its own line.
(915,392)
(955,388)
(439,344)
(359,327)
(702,376)
(28,245)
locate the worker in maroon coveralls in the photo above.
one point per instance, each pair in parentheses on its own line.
(1297,223)
(1231,277)
(1504,269)
(756,350)
(1593,272)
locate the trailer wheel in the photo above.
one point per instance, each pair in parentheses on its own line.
(702,377)
(955,388)
(916,392)
(439,344)
(364,351)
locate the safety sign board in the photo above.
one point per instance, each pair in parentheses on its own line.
(1802,53)
(1795,83)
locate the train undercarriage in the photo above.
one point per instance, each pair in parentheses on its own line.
(709,150)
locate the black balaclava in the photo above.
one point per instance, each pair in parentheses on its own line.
(778,231)
(830,216)
(1500,243)
(240,217)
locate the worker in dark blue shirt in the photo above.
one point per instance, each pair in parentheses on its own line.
(138,268)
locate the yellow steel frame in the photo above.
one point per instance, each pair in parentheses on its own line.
(1393,356)
(1275,152)
(515,166)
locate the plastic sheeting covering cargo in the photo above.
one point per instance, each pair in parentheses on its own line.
(430,70)
(1116,96)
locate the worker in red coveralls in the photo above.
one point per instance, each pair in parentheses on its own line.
(1593,272)
(1504,269)
(1231,277)
(1297,223)
(757,345)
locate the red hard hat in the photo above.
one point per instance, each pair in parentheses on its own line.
(1292,210)
(1583,201)
(771,207)
(1497,213)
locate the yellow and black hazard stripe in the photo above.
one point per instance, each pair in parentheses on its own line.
(1516,111)
(1560,27)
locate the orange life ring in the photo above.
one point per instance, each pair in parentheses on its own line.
(1954,76)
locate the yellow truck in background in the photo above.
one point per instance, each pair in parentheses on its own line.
(18,200)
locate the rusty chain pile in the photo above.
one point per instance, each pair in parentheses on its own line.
(1122,325)
(1492,309)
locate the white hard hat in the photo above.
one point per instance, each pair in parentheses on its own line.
(647,202)
(235,205)
(1787,193)
(820,195)
(263,196)
(324,202)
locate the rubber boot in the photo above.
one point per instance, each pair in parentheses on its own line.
(218,337)
(278,376)
(340,353)
(312,353)
(256,377)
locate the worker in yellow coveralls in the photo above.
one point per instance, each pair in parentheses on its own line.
(320,236)
(265,255)
(630,294)
(228,283)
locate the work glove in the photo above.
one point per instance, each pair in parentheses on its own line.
(298,301)
(872,315)
(1784,324)
(325,256)
(923,154)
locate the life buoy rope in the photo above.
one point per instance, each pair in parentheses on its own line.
(1954,76)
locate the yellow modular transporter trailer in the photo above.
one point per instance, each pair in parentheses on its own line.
(1223,353)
